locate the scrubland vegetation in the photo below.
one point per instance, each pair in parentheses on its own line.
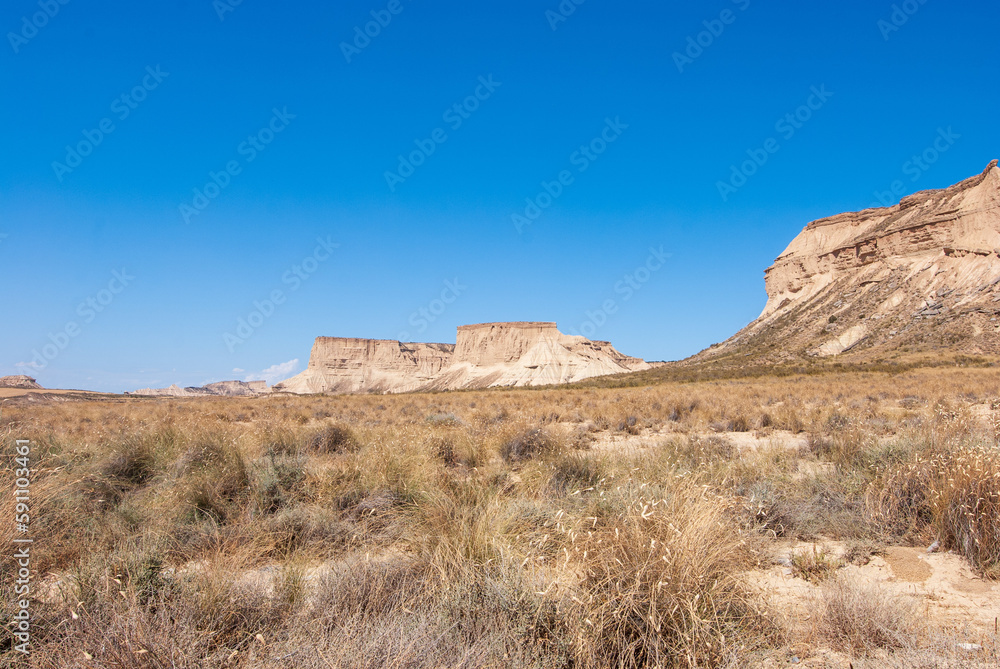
(578,527)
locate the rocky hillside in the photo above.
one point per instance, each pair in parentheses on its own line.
(484,355)
(222,388)
(19,381)
(880,284)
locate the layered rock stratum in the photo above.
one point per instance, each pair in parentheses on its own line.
(483,356)
(222,388)
(921,276)
(19,381)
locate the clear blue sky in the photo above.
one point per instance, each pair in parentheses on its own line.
(207,84)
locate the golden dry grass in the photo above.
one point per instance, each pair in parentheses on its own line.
(487,528)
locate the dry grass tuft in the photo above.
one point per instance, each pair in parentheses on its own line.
(954,493)
(528,444)
(659,578)
(814,565)
(859,617)
(333,439)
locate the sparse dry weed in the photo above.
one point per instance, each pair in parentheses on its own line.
(489,528)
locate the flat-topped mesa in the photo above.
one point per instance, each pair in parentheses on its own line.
(920,275)
(387,353)
(351,365)
(484,355)
(494,343)
(19,381)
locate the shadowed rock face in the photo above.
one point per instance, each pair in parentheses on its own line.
(924,274)
(19,381)
(485,355)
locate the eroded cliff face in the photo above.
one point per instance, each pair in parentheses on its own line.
(922,275)
(350,365)
(485,355)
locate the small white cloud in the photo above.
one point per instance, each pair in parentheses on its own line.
(275,373)
(237,370)
(30,365)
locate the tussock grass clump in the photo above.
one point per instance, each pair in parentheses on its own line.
(214,478)
(698,453)
(660,583)
(528,444)
(333,439)
(953,494)
(573,470)
(860,617)
(814,565)
(404,612)
(134,462)
(277,480)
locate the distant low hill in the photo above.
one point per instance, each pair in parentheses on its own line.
(19,381)
(222,388)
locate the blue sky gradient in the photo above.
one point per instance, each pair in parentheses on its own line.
(241,154)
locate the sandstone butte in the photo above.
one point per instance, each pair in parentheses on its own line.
(483,356)
(922,276)
(19,381)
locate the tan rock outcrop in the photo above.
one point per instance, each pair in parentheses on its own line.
(484,355)
(19,381)
(351,365)
(924,274)
(221,388)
